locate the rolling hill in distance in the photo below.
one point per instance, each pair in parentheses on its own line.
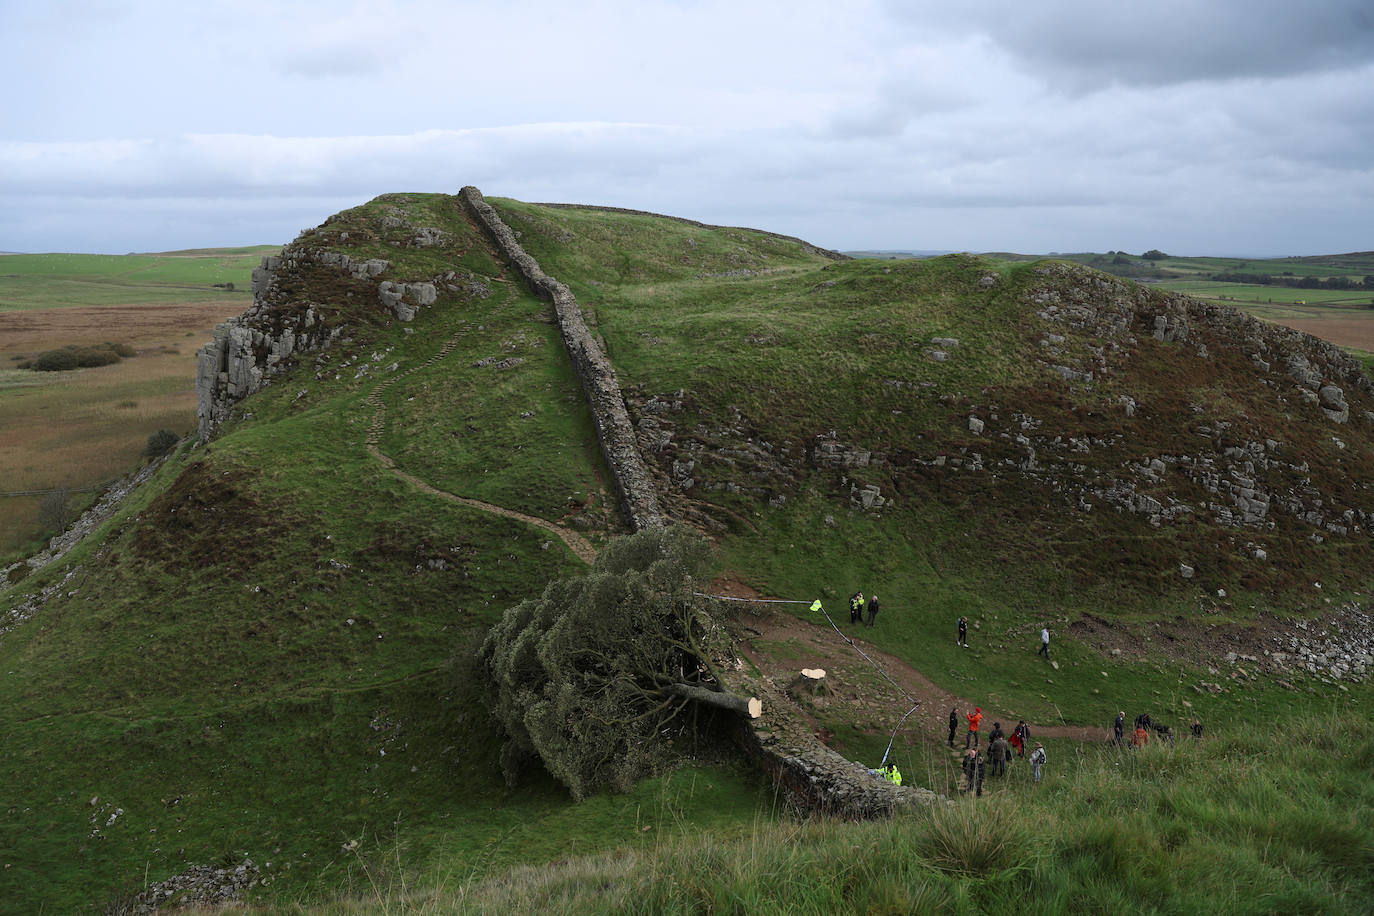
(257,674)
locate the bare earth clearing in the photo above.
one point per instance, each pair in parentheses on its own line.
(1343,332)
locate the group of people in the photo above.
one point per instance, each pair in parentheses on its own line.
(1140,736)
(1000,748)
(856,608)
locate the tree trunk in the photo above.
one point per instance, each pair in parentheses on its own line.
(746,706)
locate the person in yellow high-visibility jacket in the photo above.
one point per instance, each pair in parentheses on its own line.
(892,774)
(816,605)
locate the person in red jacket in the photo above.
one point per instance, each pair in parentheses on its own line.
(975,719)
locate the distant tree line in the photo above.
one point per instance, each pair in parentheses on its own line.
(1287,279)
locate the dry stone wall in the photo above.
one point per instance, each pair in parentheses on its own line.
(816,778)
(614,431)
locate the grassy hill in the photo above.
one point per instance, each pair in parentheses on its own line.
(265,654)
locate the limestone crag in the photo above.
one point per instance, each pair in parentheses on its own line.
(616,435)
(1107,443)
(293,292)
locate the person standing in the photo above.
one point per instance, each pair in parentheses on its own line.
(1196,728)
(996,732)
(1020,737)
(963,632)
(1119,728)
(975,719)
(1044,643)
(1001,753)
(872,610)
(856,607)
(969,766)
(979,766)
(1037,759)
(953,724)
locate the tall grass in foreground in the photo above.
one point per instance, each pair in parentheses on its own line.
(1264,823)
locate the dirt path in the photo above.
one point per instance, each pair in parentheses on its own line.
(781,645)
(579,545)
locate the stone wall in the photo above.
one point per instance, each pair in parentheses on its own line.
(614,431)
(817,779)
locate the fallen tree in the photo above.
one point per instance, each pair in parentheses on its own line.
(588,677)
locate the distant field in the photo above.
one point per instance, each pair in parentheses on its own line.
(43,281)
(1263,295)
(83,428)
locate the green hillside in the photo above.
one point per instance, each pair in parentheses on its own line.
(266,653)
(54,280)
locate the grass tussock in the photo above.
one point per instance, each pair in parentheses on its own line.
(1245,823)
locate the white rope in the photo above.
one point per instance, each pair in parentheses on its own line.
(894,735)
(750,600)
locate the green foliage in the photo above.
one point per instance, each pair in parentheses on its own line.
(1154,254)
(160,443)
(74,357)
(577,676)
(55,361)
(976,841)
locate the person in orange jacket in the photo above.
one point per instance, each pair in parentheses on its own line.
(975,719)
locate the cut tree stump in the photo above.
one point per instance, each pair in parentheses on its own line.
(812,680)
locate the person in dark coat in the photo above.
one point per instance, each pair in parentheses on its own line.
(970,768)
(953,724)
(996,732)
(1196,728)
(963,632)
(872,610)
(1001,753)
(1119,728)
(979,765)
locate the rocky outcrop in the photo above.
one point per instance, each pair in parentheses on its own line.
(285,321)
(614,431)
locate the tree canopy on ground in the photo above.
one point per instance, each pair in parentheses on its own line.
(586,677)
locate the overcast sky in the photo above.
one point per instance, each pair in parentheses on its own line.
(1195,126)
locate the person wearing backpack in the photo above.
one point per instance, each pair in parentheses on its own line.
(1037,759)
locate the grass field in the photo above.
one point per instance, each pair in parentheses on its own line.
(267,653)
(1255,294)
(45,281)
(83,428)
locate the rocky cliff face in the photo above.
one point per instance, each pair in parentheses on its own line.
(296,309)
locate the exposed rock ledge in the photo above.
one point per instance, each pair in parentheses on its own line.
(248,350)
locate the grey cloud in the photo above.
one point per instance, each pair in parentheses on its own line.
(1083,44)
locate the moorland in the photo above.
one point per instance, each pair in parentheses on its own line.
(265,660)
